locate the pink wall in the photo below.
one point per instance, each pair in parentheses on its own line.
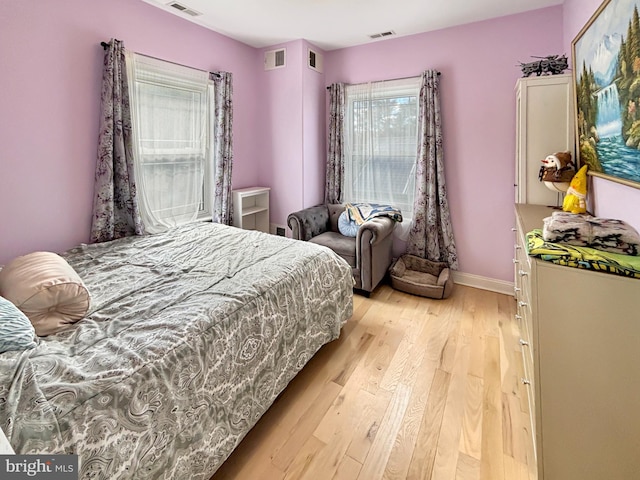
(291,133)
(51,61)
(279,134)
(479,65)
(50,101)
(314,140)
(608,199)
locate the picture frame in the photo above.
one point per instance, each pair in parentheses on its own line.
(606,81)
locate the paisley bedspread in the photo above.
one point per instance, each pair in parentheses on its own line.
(191,336)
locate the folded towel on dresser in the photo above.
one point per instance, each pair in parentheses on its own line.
(582,257)
(582,230)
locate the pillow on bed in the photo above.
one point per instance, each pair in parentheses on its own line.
(347,227)
(45,287)
(16,332)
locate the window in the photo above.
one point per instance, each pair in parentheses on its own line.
(381,143)
(172,121)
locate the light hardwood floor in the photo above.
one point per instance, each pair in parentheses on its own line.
(413,389)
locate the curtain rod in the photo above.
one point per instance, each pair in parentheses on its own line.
(390,79)
(105,45)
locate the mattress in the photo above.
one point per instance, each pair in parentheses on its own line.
(191,336)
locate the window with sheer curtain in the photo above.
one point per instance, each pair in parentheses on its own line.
(381,143)
(172,122)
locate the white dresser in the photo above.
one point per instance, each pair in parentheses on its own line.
(544,125)
(581,349)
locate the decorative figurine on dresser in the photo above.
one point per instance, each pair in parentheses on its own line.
(575,201)
(557,171)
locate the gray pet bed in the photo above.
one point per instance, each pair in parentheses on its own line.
(422,277)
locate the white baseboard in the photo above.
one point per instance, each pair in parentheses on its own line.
(484,283)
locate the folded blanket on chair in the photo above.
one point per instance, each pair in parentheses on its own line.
(582,230)
(361,212)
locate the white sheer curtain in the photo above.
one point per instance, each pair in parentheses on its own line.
(172,125)
(381,143)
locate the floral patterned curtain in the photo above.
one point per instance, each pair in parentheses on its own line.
(335,156)
(223,131)
(115,204)
(431,235)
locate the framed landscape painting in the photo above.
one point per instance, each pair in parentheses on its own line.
(606,74)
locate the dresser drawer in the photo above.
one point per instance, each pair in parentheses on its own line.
(522,267)
(528,388)
(523,309)
(526,342)
(525,316)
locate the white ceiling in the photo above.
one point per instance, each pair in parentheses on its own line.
(332,24)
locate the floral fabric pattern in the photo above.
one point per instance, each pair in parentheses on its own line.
(335,155)
(115,205)
(431,234)
(223,131)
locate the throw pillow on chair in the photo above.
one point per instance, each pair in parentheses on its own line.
(347,227)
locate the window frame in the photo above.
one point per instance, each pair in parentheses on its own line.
(402,88)
(162,70)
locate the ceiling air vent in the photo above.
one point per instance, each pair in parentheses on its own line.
(275,59)
(314,60)
(389,33)
(184,9)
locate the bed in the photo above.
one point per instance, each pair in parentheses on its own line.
(190,337)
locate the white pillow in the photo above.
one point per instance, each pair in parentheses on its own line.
(16,332)
(348,228)
(45,287)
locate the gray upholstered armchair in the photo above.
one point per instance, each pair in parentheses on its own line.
(369,253)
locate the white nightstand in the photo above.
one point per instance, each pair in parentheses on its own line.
(251,208)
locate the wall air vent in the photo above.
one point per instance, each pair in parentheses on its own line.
(388,33)
(184,9)
(275,59)
(314,60)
